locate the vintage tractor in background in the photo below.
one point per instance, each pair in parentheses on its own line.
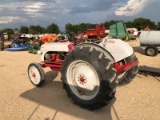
(90,72)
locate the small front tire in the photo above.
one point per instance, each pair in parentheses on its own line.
(36,74)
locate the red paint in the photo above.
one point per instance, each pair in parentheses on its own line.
(53,57)
(34,75)
(52,64)
(82,79)
(121,68)
(70,47)
(111,41)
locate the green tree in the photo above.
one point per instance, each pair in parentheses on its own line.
(143,23)
(8,31)
(106,24)
(158,26)
(24,29)
(129,24)
(44,30)
(53,28)
(82,27)
(33,29)
(69,28)
(75,28)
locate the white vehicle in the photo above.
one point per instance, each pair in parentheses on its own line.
(90,72)
(27,35)
(150,41)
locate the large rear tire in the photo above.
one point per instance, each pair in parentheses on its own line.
(88,76)
(36,74)
(128,76)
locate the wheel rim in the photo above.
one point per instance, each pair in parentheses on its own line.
(150,51)
(34,75)
(83,79)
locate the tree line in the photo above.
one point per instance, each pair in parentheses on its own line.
(139,23)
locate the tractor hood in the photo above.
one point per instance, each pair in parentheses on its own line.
(56,46)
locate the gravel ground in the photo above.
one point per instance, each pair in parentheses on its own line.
(20,100)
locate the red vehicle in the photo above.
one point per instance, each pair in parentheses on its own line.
(95,31)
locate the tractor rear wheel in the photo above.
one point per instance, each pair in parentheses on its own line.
(36,74)
(88,76)
(127,76)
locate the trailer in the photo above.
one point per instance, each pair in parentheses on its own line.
(150,42)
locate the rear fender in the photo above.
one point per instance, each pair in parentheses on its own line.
(117,48)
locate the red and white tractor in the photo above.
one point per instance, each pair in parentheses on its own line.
(89,72)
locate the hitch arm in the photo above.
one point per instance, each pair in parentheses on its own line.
(122,68)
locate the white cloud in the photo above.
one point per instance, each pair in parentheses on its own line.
(43,12)
(34,7)
(8,19)
(132,7)
(65,11)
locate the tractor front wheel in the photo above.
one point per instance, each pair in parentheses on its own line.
(36,74)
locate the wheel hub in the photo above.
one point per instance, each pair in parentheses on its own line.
(33,75)
(82,79)
(151,51)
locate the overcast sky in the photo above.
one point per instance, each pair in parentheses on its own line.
(15,13)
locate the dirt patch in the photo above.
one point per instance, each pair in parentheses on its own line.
(2,65)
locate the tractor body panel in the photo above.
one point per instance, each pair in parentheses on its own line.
(117,48)
(54,47)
